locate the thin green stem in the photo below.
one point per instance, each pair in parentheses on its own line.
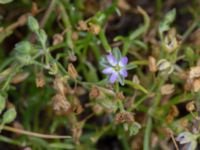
(104,41)
(45,136)
(189,30)
(147,134)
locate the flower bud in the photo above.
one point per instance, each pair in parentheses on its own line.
(42,36)
(9,115)
(23,47)
(170,41)
(134,128)
(24,59)
(33,24)
(163,64)
(167,89)
(53,68)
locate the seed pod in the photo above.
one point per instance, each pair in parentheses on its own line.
(190,106)
(9,115)
(196,85)
(95,29)
(82,25)
(194,72)
(152,64)
(167,89)
(57,39)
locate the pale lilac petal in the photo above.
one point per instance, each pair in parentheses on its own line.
(123,61)
(123,72)
(111,59)
(113,77)
(108,70)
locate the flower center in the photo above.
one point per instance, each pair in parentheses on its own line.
(118,68)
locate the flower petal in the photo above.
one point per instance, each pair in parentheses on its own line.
(108,70)
(123,72)
(123,61)
(111,59)
(113,77)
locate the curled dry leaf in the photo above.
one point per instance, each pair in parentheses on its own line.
(94,93)
(40,80)
(194,72)
(72,71)
(120,95)
(122,4)
(174,111)
(34,9)
(20,77)
(184,123)
(75,36)
(77,131)
(72,58)
(76,106)
(60,104)
(167,89)
(124,117)
(169,119)
(59,86)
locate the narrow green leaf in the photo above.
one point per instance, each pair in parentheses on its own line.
(136,86)
(5,1)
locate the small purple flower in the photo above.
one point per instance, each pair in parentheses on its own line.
(115,68)
(188,139)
